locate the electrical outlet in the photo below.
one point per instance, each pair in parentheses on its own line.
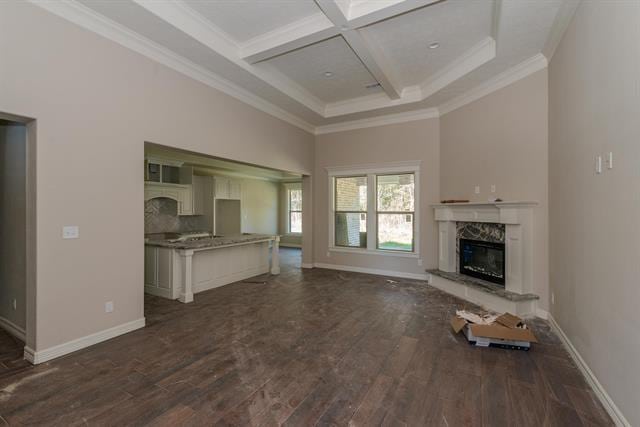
(70,232)
(477,191)
(493,188)
(108,307)
(420,262)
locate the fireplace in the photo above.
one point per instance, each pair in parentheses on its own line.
(483,260)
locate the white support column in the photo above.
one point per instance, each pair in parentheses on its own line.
(447,246)
(186,295)
(275,256)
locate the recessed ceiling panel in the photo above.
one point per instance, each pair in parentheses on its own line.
(455,25)
(246,19)
(309,67)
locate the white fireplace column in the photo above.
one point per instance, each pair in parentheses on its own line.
(518,220)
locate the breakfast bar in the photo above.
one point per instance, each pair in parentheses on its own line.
(178,269)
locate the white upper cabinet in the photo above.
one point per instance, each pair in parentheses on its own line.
(227,188)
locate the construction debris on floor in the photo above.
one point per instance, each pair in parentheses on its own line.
(505,331)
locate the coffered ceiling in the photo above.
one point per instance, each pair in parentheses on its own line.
(321,63)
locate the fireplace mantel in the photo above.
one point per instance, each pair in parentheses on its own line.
(496,212)
(518,219)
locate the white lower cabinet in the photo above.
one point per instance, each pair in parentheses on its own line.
(160,272)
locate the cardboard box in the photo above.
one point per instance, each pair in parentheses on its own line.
(505,331)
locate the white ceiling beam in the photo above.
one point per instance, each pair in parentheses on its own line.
(371,57)
(301,33)
(363,13)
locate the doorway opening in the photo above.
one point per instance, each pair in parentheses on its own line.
(17,239)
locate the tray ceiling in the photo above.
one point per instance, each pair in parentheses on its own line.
(322,62)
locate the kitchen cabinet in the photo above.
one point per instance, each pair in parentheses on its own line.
(227,188)
(160,272)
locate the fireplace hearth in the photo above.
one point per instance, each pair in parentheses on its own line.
(483,260)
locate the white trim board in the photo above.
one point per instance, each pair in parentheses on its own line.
(13,329)
(599,390)
(389,273)
(47,354)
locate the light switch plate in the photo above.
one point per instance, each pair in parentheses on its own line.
(477,189)
(70,232)
(599,164)
(108,307)
(610,160)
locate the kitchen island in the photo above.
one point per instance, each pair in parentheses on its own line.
(179,269)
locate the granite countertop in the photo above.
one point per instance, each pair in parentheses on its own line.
(214,242)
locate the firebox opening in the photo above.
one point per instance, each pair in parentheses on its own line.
(484,260)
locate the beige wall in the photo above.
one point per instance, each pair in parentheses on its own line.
(594,108)
(259,206)
(418,140)
(13,220)
(501,140)
(96,103)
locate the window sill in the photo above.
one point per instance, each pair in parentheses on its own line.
(293,234)
(382,252)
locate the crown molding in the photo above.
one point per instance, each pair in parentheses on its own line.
(86,18)
(92,21)
(409,116)
(524,69)
(560,24)
(472,59)
(535,63)
(180,16)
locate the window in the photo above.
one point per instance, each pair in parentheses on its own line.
(375,210)
(351,211)
(395,212)
(295,210)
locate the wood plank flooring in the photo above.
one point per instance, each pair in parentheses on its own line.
(308,347)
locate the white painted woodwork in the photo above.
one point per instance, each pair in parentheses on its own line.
(179,274)
(518,220)
(186,293)
(275,256)
(227,188)
(182,194)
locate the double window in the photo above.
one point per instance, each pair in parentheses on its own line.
(294,196)
(374,211)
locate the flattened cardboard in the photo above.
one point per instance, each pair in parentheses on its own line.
(502,332)
(457,323)
(509,320)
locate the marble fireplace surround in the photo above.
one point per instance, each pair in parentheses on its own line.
(456,219)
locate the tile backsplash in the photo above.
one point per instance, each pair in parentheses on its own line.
(161,216)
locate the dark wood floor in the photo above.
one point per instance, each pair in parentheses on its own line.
(312,347)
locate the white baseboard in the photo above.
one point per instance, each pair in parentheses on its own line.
(290,245)
(306,265)
(401,274)
(603,396)
(13,329)
(45,355)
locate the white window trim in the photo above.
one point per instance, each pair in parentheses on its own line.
(370,171)
(288,187)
